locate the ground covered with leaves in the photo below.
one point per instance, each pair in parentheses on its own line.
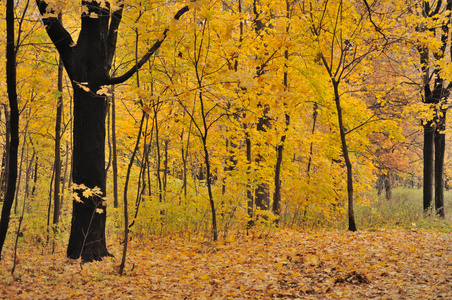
(383,264)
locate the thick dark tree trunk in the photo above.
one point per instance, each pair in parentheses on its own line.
(88,227)
(440,147)
(14,122)
(429,137)
(88,62)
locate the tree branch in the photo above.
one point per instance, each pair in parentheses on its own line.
(60,37)
(113,34)
(378,29)
(145,58)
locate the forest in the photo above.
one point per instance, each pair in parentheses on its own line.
(225,149)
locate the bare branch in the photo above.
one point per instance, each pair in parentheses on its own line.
(145,58)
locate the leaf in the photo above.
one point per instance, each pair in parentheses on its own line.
(76,197)
(96,190)
(104,90)
(147,109)
(87,193)
(83,85)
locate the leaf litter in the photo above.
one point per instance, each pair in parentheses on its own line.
(383,264)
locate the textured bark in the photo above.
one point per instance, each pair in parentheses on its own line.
(88,227)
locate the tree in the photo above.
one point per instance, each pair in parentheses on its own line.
(88,63)
(434,26)
(342,47)
(11,51)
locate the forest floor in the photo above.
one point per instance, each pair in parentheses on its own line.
(381,264)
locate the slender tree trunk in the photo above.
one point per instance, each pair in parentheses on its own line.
(19,174)
(280,148)
(57,162)
(115,156)
(209,189)
(388,186)
(440,147)
(249,192)
(5,159)
(35,175)
(311,146)
(49,206)
(165,167)
(126,185)
(429,142)
(351,213)
(14,122)
(262,192)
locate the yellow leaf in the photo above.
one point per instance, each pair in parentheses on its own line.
(205,277)
(146,109)
(83,86)
(87,193)
(76,198)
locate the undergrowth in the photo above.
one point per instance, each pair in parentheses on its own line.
(187,219)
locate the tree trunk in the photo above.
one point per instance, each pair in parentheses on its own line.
(351,213)
(57,162)
(249,193)
(115,156)
(5,159)
(14,122)
(88,62)
(262,192)
(280,148)
(440,146)
(88,227)
(429,137)
(388,187)
(126,186)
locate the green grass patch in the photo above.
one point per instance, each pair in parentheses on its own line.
(403,210)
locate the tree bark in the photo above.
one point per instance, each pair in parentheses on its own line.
(351,213)
(5,159)
(88,227)
(14,122)
(440,146)
(57,162)
(115,156)
(428,151)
